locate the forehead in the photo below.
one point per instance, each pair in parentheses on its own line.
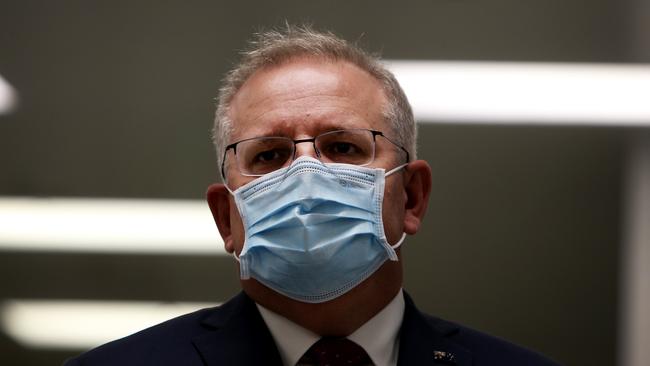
(307,96)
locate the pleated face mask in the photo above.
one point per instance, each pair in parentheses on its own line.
(314,231)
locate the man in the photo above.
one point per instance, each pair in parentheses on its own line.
(316,142)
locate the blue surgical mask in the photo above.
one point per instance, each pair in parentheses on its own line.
(314,231)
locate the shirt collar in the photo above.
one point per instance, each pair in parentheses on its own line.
(378,336)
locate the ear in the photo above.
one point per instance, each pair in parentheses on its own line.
(417,187)
(219,201)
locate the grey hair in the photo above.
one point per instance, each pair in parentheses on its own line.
(275,47)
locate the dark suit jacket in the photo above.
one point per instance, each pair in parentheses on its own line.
(235,334)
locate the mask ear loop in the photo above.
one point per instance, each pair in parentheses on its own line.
(234,253)
(229,190)
(244,270)
(399,242)
(395,169)
(244,267)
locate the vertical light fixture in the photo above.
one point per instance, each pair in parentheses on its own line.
(8,97)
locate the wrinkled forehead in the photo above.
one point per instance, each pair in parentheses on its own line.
(307,96)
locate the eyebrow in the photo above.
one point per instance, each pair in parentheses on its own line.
(281,131)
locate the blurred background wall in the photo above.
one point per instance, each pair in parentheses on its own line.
(116,101)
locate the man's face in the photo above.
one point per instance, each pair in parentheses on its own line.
(303,98)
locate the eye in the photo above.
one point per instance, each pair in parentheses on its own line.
(266,156)
(270,156)
(343,148)
(263,155)
(346,146)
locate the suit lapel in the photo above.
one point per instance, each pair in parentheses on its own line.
(425,341)
(237,336)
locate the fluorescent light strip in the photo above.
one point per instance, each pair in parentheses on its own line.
(108,226)
(8,98)
(64,324)
(509,92)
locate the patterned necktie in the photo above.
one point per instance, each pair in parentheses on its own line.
(329,351)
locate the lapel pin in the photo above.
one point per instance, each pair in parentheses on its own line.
(444,357)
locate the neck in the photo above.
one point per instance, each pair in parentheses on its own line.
(339,317)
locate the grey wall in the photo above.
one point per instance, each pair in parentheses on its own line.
(522,237)
(116,101)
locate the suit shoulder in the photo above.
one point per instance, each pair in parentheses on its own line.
(160,344)
(487,349)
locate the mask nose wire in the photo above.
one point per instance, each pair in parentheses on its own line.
(286,169)
(388,173)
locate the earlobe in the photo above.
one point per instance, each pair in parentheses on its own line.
(417,186)
(218,199)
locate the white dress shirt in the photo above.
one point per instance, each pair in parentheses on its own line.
(379,336)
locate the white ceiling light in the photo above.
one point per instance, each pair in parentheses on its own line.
(108,225)
(81,325)
(509,92)
(8,97)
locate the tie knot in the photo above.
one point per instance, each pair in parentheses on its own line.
(330,351)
